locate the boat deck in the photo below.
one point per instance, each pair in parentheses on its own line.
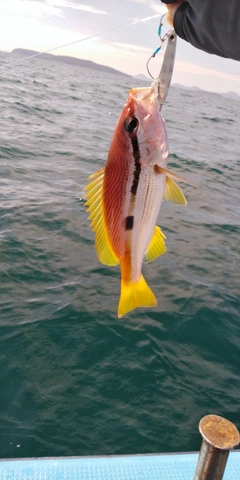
(179,466)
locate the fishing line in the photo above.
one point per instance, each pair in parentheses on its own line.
(146,19)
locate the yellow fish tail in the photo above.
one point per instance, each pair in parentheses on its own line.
(134,295)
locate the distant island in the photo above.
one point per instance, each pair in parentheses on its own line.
(67,60)
(232,95)
(103,68)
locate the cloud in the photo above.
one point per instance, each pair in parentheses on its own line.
(155,5)
(38,8)
(130,48)
(87,8)
(27,9)
(29,31)
(76,6)
(195,69)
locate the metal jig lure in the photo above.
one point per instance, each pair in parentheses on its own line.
(165,74)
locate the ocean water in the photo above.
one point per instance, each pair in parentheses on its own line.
(75,379)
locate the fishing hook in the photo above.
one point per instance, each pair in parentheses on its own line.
(162,40)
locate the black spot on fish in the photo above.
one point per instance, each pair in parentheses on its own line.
(137,171)
(129,222)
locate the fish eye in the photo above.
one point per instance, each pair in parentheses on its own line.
(131,124)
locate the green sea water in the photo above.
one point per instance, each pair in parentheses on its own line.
(75,379)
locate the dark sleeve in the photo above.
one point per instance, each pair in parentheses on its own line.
(210,25)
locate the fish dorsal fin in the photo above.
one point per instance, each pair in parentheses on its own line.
(173,193)
(94,203)
(156,246)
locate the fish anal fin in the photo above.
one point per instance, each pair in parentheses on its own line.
(156,246)
(134,295)
(94,202)
(173,193)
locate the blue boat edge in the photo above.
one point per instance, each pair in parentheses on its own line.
(159,466)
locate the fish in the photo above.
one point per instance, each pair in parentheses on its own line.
(124,198)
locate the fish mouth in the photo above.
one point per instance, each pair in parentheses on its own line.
(146,96)
(142,93)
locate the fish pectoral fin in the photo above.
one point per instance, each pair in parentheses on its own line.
(156,246)
(173,193)
(135,295)
(94,203)
(172,175)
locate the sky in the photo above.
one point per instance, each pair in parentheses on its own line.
(46,24)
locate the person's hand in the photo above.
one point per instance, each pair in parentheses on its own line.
(172,7)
